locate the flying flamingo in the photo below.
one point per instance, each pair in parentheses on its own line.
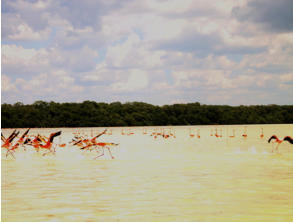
(88,143)
(7,142)
(49,143)
(20,141)
(37,142)
(278,141)
(105,145)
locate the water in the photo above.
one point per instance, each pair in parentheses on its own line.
(174,179)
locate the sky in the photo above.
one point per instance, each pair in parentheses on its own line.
(232,52)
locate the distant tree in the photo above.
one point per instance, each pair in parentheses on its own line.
(90,113)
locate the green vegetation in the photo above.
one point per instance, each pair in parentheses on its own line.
(92,114)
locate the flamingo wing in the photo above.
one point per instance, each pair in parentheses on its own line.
(25,133)
(53,135)
(289,139)
(28,140)
(11,137)
(273,137)
(3,138)
(101,134)
(12,134)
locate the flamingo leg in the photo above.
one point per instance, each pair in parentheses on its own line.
(100,154)
(50,151)
(272,147)
(277,147)
(9,152)
(110,152)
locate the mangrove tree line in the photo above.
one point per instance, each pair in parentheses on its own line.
(93,114)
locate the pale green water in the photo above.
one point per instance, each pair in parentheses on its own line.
(182,179)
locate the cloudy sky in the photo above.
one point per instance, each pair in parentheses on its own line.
(156,51)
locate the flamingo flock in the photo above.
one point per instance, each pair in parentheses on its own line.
(47,144)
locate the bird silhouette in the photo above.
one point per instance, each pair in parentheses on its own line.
(278,141)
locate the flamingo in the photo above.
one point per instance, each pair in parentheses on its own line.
(129,132)
(216,134)
(198,133)
(191,134)
(274,137)
(20,141)
(8,141)
(261,135)
(172,134)
(166,135)
(105,145)
(244,134)
(35,143)
(49,143)
(88,143)
(233,134)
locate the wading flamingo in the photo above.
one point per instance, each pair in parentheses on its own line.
(198,133)
(245,133)
(190,133)
(233,134)
(261,135)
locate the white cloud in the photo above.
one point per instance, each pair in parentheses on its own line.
(187,49)
(137,80)
(6,84)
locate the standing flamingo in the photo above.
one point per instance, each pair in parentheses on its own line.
(261,135)
(245,133)
(190,133)
(198,133)
(233,134)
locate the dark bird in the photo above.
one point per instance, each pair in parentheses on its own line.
(278,141)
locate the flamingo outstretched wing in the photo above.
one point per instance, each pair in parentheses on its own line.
(289,139)
(25,133)
(53,135)
(13,136)
(100,134)
(273,137)
(3,138)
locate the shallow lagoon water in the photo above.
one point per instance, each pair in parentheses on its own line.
(174,179)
